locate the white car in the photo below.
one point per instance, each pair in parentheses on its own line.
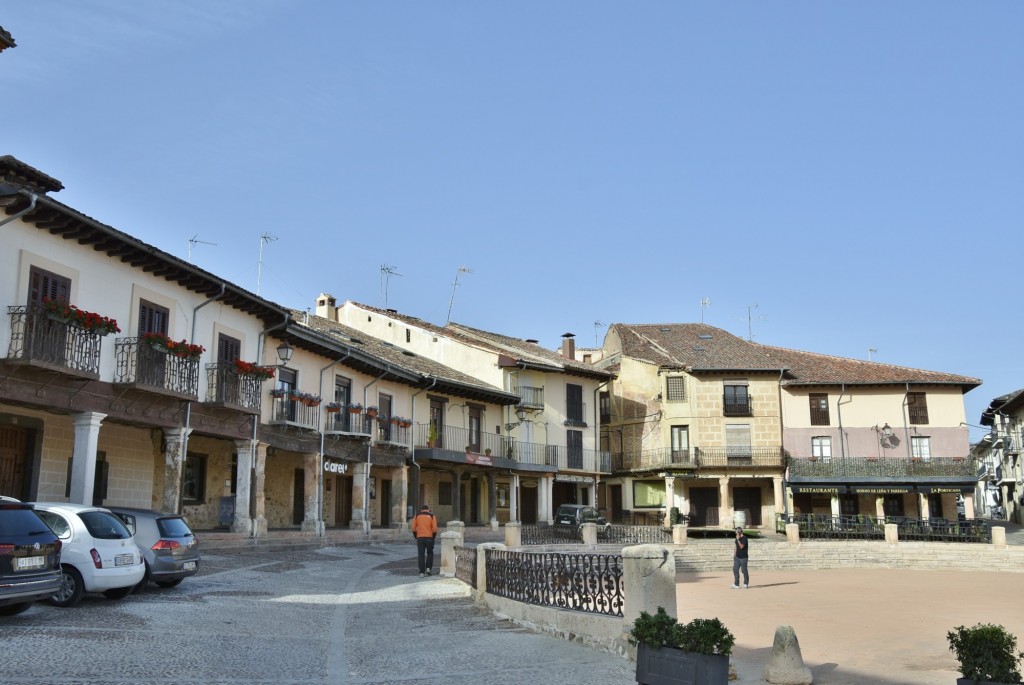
(98,553)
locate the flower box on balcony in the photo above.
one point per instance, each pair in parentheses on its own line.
(181,348)
(333,407)
(64,312)
(261,373)
(355,409)
(278,392)
(371,412)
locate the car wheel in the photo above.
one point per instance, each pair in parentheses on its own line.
(141,585)
(14,609)
(118,592)
(169,583)
(71,588)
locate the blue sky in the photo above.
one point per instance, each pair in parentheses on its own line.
(854,169)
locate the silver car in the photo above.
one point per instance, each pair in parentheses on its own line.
(170,549)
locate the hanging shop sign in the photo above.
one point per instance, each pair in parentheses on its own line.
(331,466)
(479,459)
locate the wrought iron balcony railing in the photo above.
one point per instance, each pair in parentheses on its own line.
(226,386)
(346,422)
(390,433)
(37,339)
(884,467)
(288,412)
(457,439)
(141,365)
(653,459)
(734,407)
(739,456)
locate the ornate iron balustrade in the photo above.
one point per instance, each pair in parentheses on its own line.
(457,439)
(731,456)
(224,385)
(347,422)
(636,535)
(144,366)
(656,458)
(38,339)
(883,467)
(289,412)
(734,407)
(551,535)
(465,565)
(867,527)
(577,459)
(579,582)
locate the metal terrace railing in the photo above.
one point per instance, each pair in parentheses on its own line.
(224,385)
(38,339)
(591,583)
(142,365)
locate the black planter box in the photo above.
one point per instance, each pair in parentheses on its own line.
(668,666)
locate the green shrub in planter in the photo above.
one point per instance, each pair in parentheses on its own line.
(670,653)
(987,653)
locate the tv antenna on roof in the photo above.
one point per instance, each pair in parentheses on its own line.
(462,270)
(264,239)
(750,321)
(705,302)
(386,272)
(597,326)
(194,240)
(871,350)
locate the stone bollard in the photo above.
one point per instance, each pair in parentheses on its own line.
(999,537)
(786,664)
(793,533)
(514,534)
(679,534)
(589,533)
(648,582)
(495,525)
(456,527)
(892,535)
(449,541)
(481,567)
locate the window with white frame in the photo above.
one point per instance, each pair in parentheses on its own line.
(821,448)
(921,448)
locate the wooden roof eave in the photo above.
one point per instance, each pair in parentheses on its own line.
(64,222)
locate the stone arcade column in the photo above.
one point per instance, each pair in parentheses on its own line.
(399,496)
(922,506)
(513,497)
(311,518)
(174,464)
(359,495)
(670,499)
(83,462)
(724,508)
(457,494)
(259,481)
(243,491)
(780,495)
(492,500)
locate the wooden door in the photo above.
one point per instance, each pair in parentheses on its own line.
(14,459)
(704,506)
(299,500)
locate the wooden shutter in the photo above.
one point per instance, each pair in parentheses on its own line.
(228,349)
(152,318)
(44,285)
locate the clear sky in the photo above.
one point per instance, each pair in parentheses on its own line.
(853,169)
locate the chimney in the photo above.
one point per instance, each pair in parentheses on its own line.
(569,345)
(326,307)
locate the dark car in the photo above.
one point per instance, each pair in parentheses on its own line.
(576,515)
(29,558)
(167,543)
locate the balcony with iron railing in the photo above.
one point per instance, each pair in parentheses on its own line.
(456,440)
(44,341)
(287,411)
(348,423)
(227,388)
(700,457)
(141,366)
(737,406)
(882,467)
(531,397)
(391,432)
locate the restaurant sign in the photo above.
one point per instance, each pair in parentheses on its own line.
(570,478)
(881,490)
(479,459)
(943,489)
(820,489)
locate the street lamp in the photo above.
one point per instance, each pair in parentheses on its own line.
(521,415)
(284,353)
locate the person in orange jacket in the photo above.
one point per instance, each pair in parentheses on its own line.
(424,529)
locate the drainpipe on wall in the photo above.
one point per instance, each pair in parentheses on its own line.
(412,443)
(597,441)
(321,526)
(839,416)
(31,205)
(369,447)
(188,403)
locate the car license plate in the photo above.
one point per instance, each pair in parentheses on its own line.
(190,565)
(23,563)
(124,560)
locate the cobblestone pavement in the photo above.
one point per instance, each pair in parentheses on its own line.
(343,615)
